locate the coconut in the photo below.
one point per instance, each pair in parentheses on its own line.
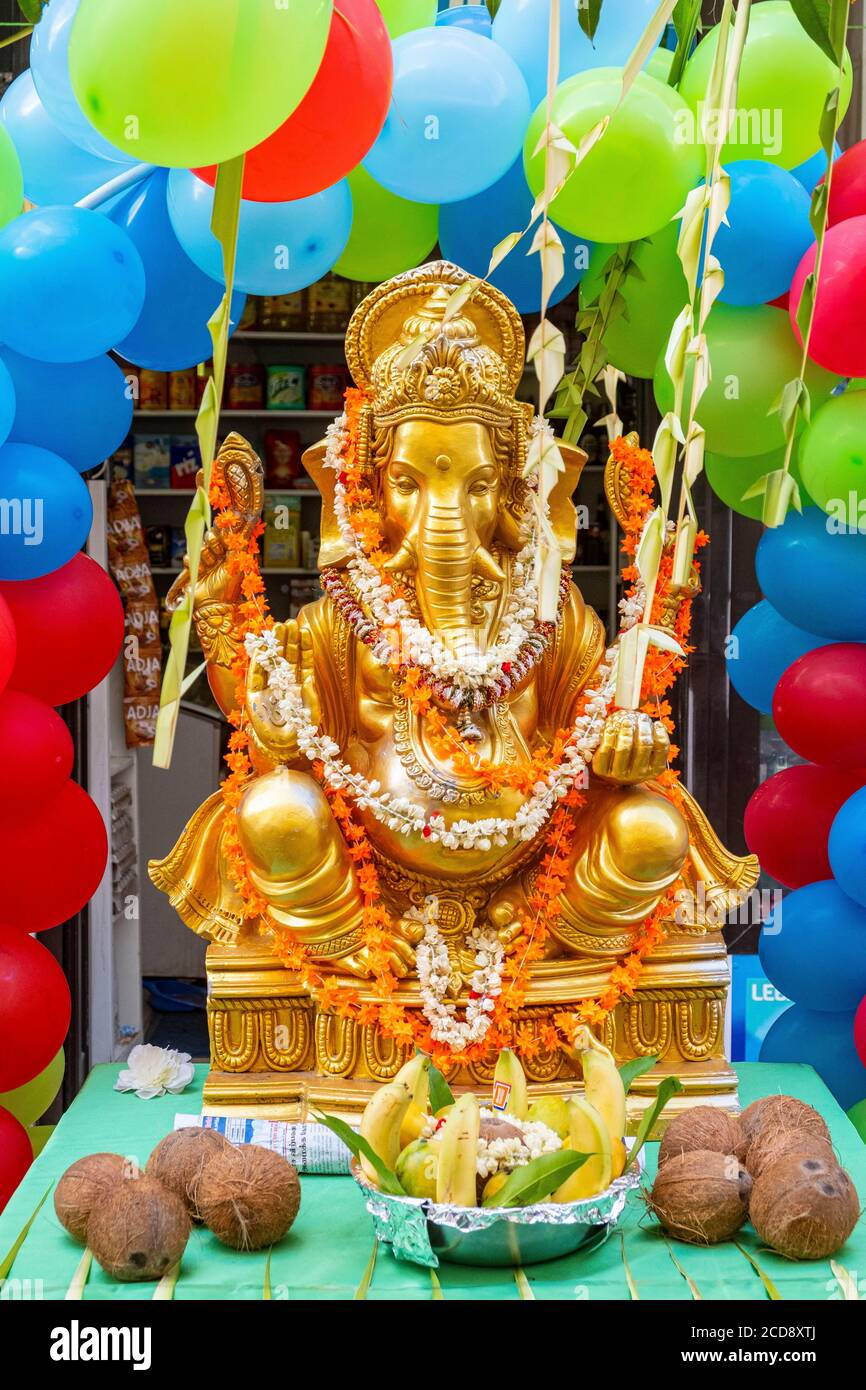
(703,1127)
(139,1231)
(85,1184)
(178,1160)
(806,1208)
(779,1113)
(248,1196)
(773,1144)
(701,1196)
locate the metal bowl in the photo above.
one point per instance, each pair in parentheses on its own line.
(426,1232)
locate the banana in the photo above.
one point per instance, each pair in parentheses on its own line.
(588,1134)
(510,1093)
(381,1122)
(416,1075)
(602,1082)
(455,1175)
(413,1125)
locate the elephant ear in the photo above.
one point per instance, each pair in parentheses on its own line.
(333,550)
(563,513)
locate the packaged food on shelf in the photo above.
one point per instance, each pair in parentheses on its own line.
(202,375)
(152,390)
(329,304)
(178,547)
(326,386)
(309,550)
(121,465)
(245,386)
(158,539)
(142,622)
(282,458)
(286,387)
(283,313)
(282,541)
(303,591)
(152,454)
(249,319)
(139,716)
(182,390)
(130,567)
(185,461)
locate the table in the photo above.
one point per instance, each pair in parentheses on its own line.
(330,1252)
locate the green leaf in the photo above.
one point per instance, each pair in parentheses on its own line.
(686,17)
(493,7)
(537,1179)
(638,1066)
(32,9)
(671,1086)
(9,1258)
(772,1291)
(356,1144)
(829,122)
(814,15)
(440,1092)
(588,15)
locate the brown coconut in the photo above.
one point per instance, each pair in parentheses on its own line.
(806,1208)
(772,1144)
(248,1196)
(178,1160)
(703,1127)
(139,1232)
(701,1196)
(782,1113)
(85,1184)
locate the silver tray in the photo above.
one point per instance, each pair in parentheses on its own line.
(426,1232)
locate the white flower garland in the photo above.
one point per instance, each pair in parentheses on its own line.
(433,964)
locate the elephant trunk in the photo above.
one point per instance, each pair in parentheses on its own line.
(448,550)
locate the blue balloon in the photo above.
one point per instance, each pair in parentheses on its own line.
(49,62)
(45,512)
(79,410)
(521,28)
(475,18)
(768,233)
(282,247)
(813,570)
(813,170)
(847,847)
(171,332)
(457,119)
(55,170)
(468,232)
(824,1041)
(7,403)
(71,284)
(762,646)
(813,948)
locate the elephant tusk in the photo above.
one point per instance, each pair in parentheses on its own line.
(484,564)
(402,559)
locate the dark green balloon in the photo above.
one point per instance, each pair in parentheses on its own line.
(731,477)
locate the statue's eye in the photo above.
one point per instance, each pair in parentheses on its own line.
(406,486)
(479,489)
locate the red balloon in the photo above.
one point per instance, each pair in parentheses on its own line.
(848,186)
(838,342)
(36,751)
(819,707)
(338,120)
(16,1154)
(788,820)
(860,1031)
(51,860)
(7,643)
(70,630)
(35,1008)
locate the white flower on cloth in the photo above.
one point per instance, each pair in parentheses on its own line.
(154,1070)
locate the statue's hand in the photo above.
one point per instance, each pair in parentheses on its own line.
(633,748)
(296,645)
(406,934)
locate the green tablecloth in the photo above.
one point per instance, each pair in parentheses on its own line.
(329,1252)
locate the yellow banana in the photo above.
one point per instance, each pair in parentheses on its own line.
(413,1125)
(458,1138)
(602,1082)
(381,1122)
(416,1075)
(588,1134)
(510,1093)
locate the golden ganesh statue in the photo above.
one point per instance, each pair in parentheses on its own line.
(402,818)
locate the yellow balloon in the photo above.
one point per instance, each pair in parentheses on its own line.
(28,1102)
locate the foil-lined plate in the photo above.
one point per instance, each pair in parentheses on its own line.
(426,1232)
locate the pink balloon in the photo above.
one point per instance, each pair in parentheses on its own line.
(838,342)
(36,751)
(848,186)
(860,1031)
(51,860)
(7,643)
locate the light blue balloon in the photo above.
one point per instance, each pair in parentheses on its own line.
(46,514)
(7,402)
(55,170)
(71,284)
(762,646)
(79,410)
(457,119)
(468,232)
(813,170)
(282,247)
(813,948)
(171,332)
(847,847)
(813,570)
(475,18)
(49,61)
(768,232)
(824,1041)
(521,28)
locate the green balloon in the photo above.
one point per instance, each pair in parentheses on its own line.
(402,15)
(857,1116)
(194,83)
(28,1102)
(753,355)
(730,478)
(833,457)
(784,81)
(653,299)
(389,234)
(635,179)
(11,180)
(659,63)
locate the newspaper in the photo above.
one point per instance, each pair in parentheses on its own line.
(311,1148)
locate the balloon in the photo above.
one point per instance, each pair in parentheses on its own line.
(860,1030)
(469,231)
(767,235)
(36,752)
(653,295)
(476,18)
(820,1040)
(48,511)
(401,16)
(282,247)
(71,284)
(338,119)
(848,185)
(634,180)
(833,457)
(814,572)
(813,948)
(171,332)
(16,1155)
(784,80)
(70,630)
(857,1116)
(8,643)
(11,179)
(49,61)
(62,847)
(55,170)
(195,83)
(457,118)
(753,355)
(731,478)
(521,27)
(848,848)
(788,820)
(7,402)
(837,341)
(818,707)
(29,1102)
(36,1007)
(389,234)
(813,170)
(761,648)
(91,406)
